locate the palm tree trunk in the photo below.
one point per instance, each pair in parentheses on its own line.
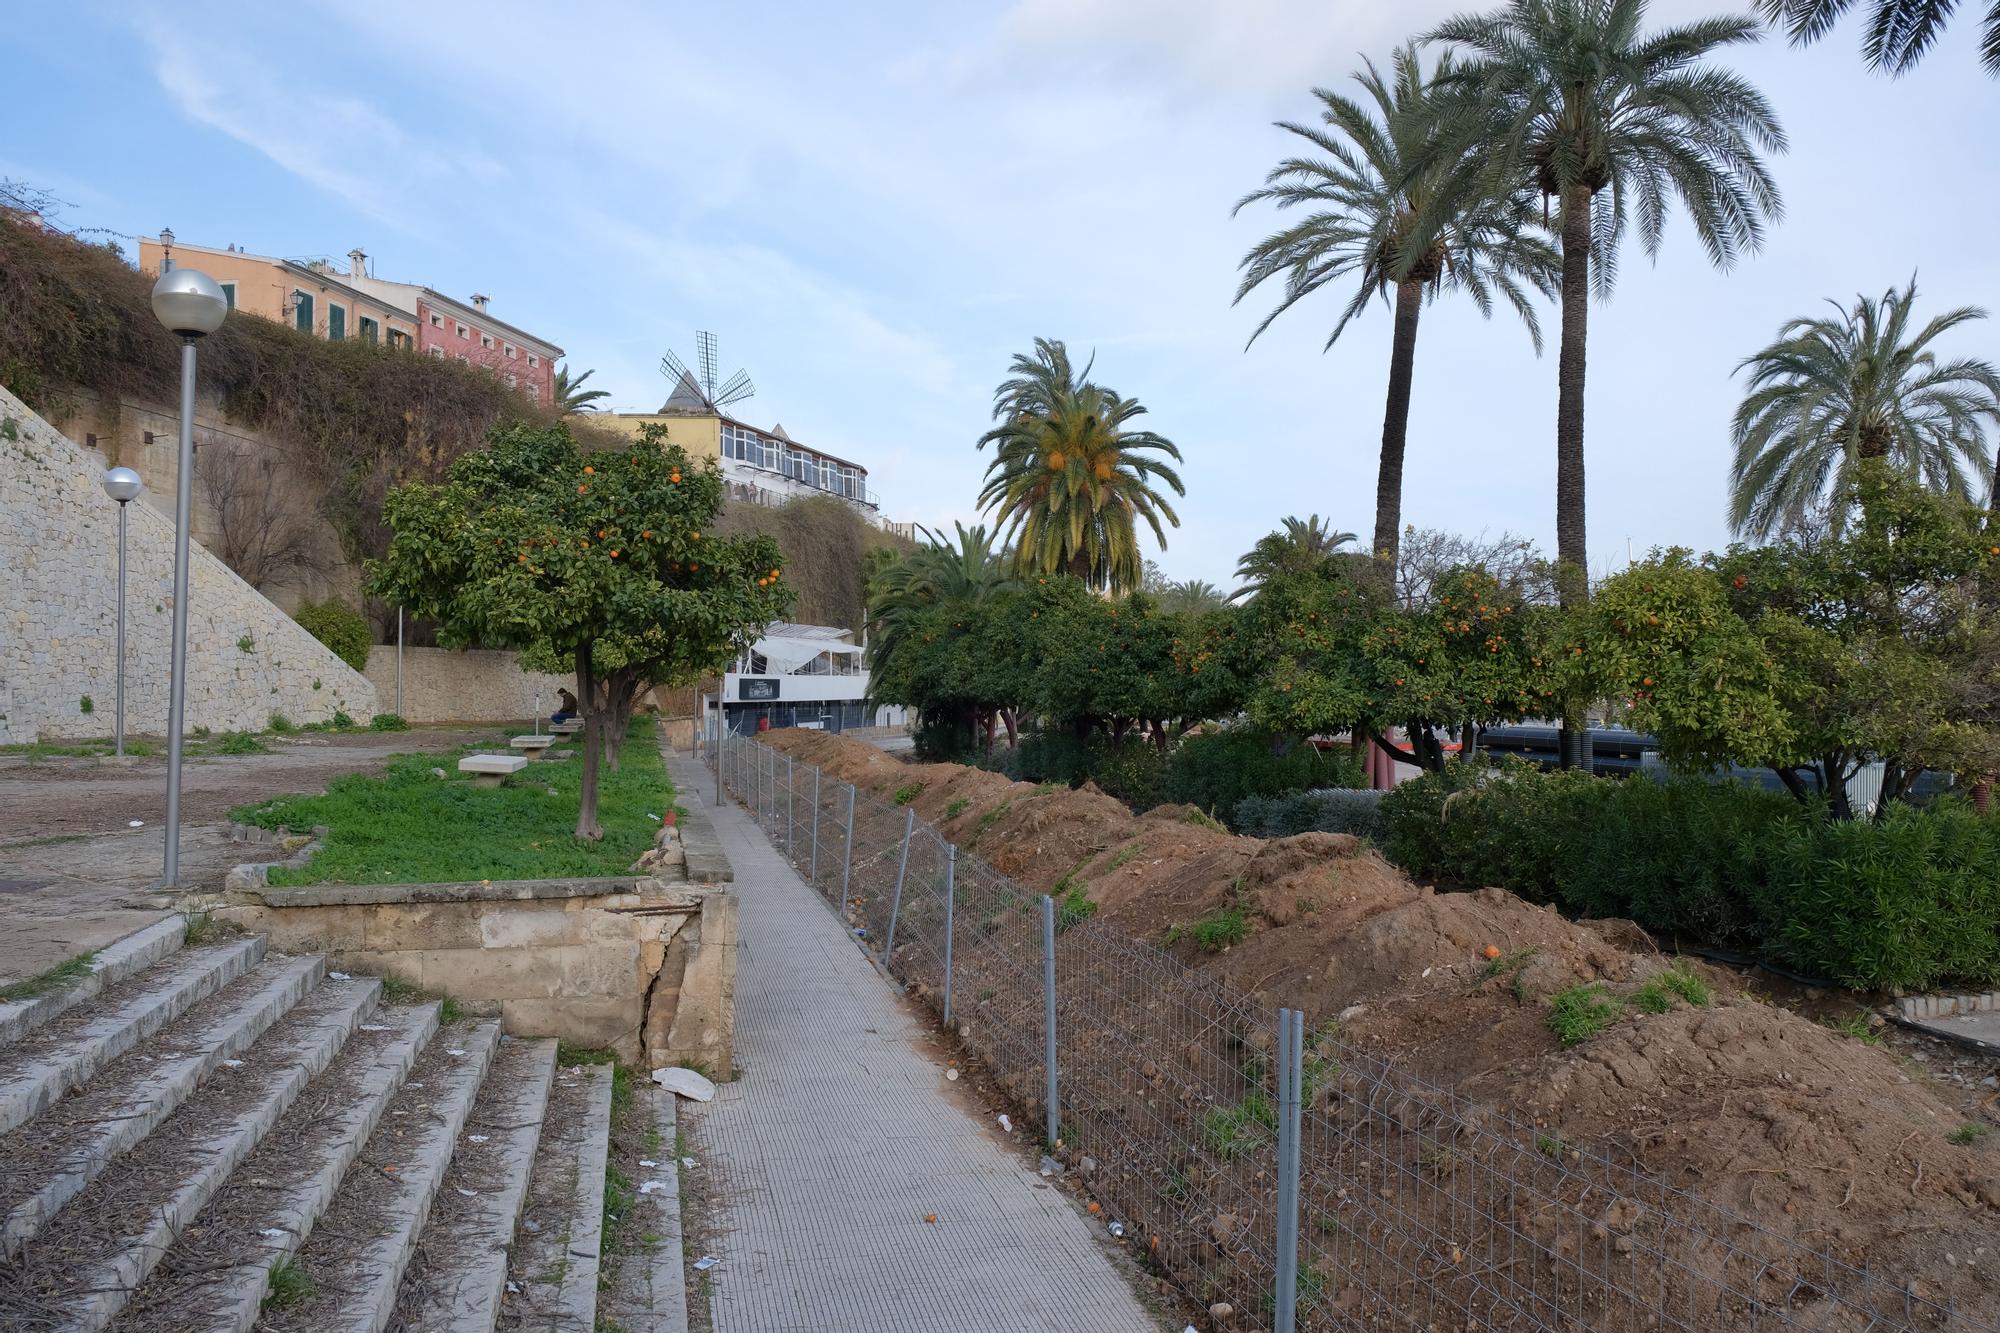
(1396,425)
(1572,548)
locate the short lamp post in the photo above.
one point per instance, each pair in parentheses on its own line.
(123,485)
(191,306)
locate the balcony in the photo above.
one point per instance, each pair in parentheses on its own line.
(767,487)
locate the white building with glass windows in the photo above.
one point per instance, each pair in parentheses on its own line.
(813,676)
(770,467)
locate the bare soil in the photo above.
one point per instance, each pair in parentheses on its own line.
(1746,1103)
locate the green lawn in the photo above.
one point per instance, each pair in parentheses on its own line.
(408,827)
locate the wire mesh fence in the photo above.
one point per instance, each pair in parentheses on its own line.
(1408,1207)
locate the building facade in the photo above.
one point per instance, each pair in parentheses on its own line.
(812,676)
(316,297)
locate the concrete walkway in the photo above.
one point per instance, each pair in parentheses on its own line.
(837,1140)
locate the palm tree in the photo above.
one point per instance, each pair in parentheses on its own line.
(1569,100)
(967,568)
(1301,546)
(1364,200)
(1899,34)
(1069,479)
(571,396)
(1863,383)
(1195,595)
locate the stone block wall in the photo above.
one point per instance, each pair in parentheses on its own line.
(58,613)
(644,967)
(470,685)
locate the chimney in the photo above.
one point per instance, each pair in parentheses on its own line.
(479,300)
(357,264)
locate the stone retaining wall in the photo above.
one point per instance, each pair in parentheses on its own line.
(469,685)
(58,613)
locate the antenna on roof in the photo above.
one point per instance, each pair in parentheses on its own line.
(697,386)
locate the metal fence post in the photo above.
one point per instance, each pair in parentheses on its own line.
(814,877)
(847,857)
(721,752)
(902,867)
(1291,1073)
(1049,1013)
(950,896)
(791,820)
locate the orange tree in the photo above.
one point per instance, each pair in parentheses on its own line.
(600,560)
(1338,655)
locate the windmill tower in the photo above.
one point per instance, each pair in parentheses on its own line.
(696,390)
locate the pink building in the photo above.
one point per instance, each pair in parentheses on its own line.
(467,331)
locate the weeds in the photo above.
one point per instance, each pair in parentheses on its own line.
(1231,1131)
(908,792)
(287,1284)
(1662,988)
(1549,1145)
(61,975)
(1124,854)
(1203,819)
(388,722)
(957,808)
(1969,1133)
(1215,932)
(1855,1026)
(1073,905)
(202,928)
(1581,1012)
(1510,962)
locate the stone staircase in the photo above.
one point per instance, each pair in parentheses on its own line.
(209,1136)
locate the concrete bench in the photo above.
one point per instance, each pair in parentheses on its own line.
(565,728)
(488,770)
(532,745)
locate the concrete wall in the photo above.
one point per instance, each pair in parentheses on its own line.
(644,967)
(58,612)
(473,685)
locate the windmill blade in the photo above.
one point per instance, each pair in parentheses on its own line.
(674,368)
(735,390)
(704,351)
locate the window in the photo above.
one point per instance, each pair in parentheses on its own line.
(371,330)
(534,360)
(437,321)
(336,322)
(229,294)
(534,393)
(398,338)
(486,341)
(438,352)
(510,379)
(510,351)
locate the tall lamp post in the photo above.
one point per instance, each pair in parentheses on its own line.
(123,485)
(191,306)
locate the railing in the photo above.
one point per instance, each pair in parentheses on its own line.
(1309,1184)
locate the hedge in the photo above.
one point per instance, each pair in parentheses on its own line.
(340,628)
(1333,810)
(1213,771)
(1909,901)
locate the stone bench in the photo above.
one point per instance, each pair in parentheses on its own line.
(489,770)
(565,728)
(532,745)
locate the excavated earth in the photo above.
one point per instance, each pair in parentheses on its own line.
(1828,1141)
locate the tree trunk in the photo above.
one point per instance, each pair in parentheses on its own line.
(1572,545)
(1833,775)
(587,826)
(1396,425)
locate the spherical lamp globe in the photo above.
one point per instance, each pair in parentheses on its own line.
(189,302)
(123,485)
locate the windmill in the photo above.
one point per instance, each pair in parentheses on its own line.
(696,390)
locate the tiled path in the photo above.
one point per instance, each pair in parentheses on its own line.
(836,1142)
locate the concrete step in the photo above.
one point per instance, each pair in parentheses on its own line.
(216,1274)
(67,1050)
(353,1263)
(47,1161)
(79,1270)
(648,1292)
(552,1273)
(136,952)
(458,1274)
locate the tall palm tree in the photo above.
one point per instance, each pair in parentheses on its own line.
(571,396)
(1899,32)
(1568,99)
(1301,546)
(1195,595)
(1862,383)
(1364,200)
(1070,480)
(968,566)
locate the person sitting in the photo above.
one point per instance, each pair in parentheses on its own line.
(566,707)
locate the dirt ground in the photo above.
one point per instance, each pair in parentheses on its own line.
(1869,1145)
(49,797)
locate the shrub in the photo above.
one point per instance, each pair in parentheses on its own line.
(280,724)
(1128,770)
(908,792)
(388,722)
(1220,929)
(1905,900)
(1581,1012)
(340,628)
(1332,810)
(1217,770)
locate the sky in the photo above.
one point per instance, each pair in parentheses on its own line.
(873,207)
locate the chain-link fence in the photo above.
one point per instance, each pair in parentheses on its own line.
(1380,1201)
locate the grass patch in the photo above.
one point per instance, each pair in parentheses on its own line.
(1549,1145)
(408,827)
(986,820)
(1968,1133)
(63,974)
(908,792)
(1510,962)
(1855,1026)
(287,1284)
(957,808)
(236,742)
(1216,931)
(388,722)
(1231,1131)
(1073,905)
(1581,1012)
(1203,819)
(51,840)
(1663,988)
(1124,854)
(203,928)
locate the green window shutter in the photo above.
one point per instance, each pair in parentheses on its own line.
(229,294)
(302,312)
(336,322)
(371,331)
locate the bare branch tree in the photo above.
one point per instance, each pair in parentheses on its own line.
(1427,554)
(261,530)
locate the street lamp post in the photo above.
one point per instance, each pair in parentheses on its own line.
(123,485)
(191,306)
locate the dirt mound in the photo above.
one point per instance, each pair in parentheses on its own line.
(1810,1134)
